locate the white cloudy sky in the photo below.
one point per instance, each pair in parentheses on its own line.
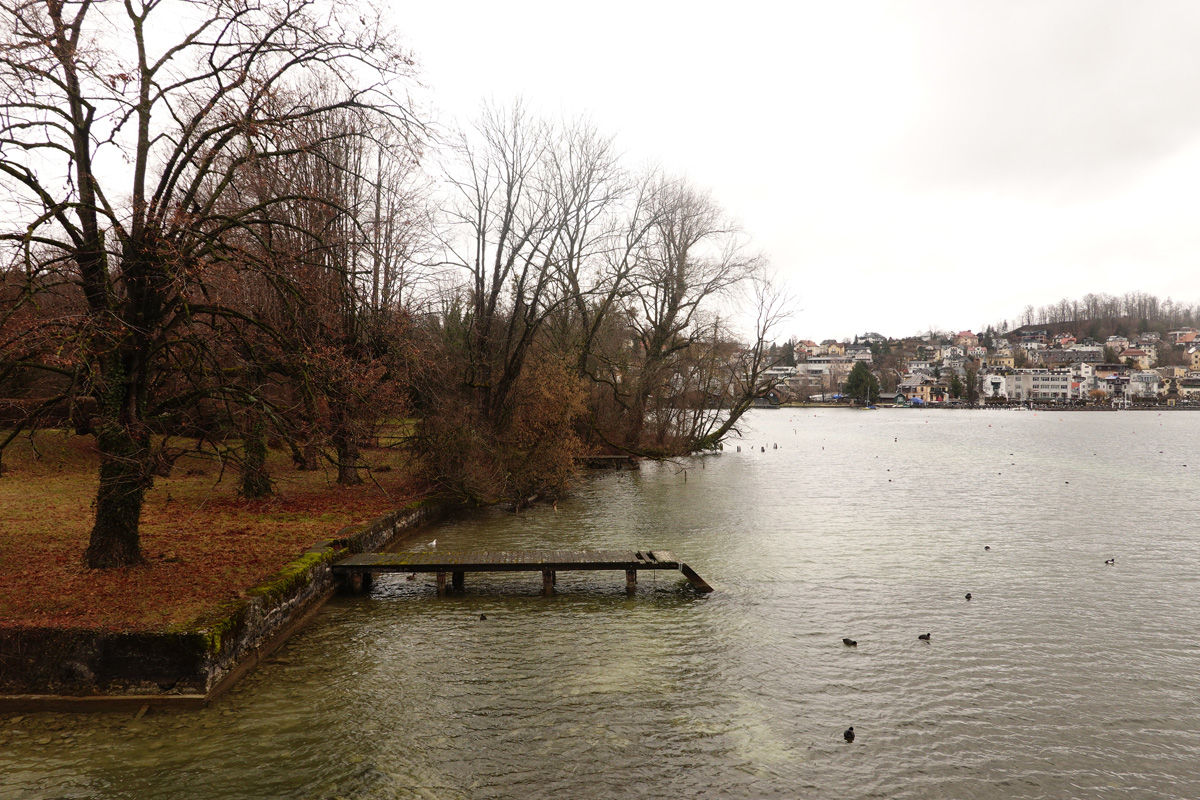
(904,164)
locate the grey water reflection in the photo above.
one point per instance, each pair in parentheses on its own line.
(1061,677)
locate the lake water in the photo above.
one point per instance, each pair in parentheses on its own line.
(1063,677)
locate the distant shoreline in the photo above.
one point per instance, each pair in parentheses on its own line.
(1005,407)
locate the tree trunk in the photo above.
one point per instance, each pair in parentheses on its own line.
(256,480)
(123,475)
(347,450)
(306,456)
(305,453)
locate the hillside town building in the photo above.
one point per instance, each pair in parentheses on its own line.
(1026,367)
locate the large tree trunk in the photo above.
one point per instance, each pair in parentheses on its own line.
(123,475)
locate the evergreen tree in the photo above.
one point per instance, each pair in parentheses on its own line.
(956,386)
(788,355)
(972,386)
(862,386)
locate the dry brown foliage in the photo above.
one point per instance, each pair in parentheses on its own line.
(204,545)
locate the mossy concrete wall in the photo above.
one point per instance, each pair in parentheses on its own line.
(190,665)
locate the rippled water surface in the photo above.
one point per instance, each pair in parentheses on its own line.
(1061,678)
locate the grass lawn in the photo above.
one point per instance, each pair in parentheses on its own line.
(204,545)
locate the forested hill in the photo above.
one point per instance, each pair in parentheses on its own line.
(1102,315)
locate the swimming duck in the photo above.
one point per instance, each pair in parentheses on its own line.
(924,636)
(849,734)
(849,643)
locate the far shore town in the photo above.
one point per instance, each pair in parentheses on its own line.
(1025,366)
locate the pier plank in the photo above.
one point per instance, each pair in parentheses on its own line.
(544,561)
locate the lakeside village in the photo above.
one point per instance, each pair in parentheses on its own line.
(1022,367)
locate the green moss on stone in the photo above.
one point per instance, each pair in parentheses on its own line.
(218,629)
(212,631)
(293,576)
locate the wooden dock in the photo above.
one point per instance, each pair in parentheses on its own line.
(359,569)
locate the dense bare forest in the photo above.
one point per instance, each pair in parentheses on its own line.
(1099,315)
(246,237)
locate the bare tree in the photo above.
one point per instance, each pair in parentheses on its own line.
(746,377)
(692,257)
(124,130)
(506,233)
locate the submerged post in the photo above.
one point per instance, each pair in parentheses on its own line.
(441,584)
(698,583)
(631,581)
(547,582)
(457,580)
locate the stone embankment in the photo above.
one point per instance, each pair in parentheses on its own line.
(55,669)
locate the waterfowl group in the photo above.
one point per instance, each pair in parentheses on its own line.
(926,637)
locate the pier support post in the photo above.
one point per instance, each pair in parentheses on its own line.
(631,581)
(457,580)
(355,583)
(547,582)
(441,584)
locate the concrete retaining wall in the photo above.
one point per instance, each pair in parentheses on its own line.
(54,668)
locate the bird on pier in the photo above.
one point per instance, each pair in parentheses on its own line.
(849,734)
(925,637)
(849,643)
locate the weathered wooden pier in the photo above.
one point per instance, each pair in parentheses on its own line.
(357,571)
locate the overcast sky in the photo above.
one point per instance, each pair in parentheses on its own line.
(905,165)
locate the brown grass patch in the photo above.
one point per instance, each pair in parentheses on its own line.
(204,545)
